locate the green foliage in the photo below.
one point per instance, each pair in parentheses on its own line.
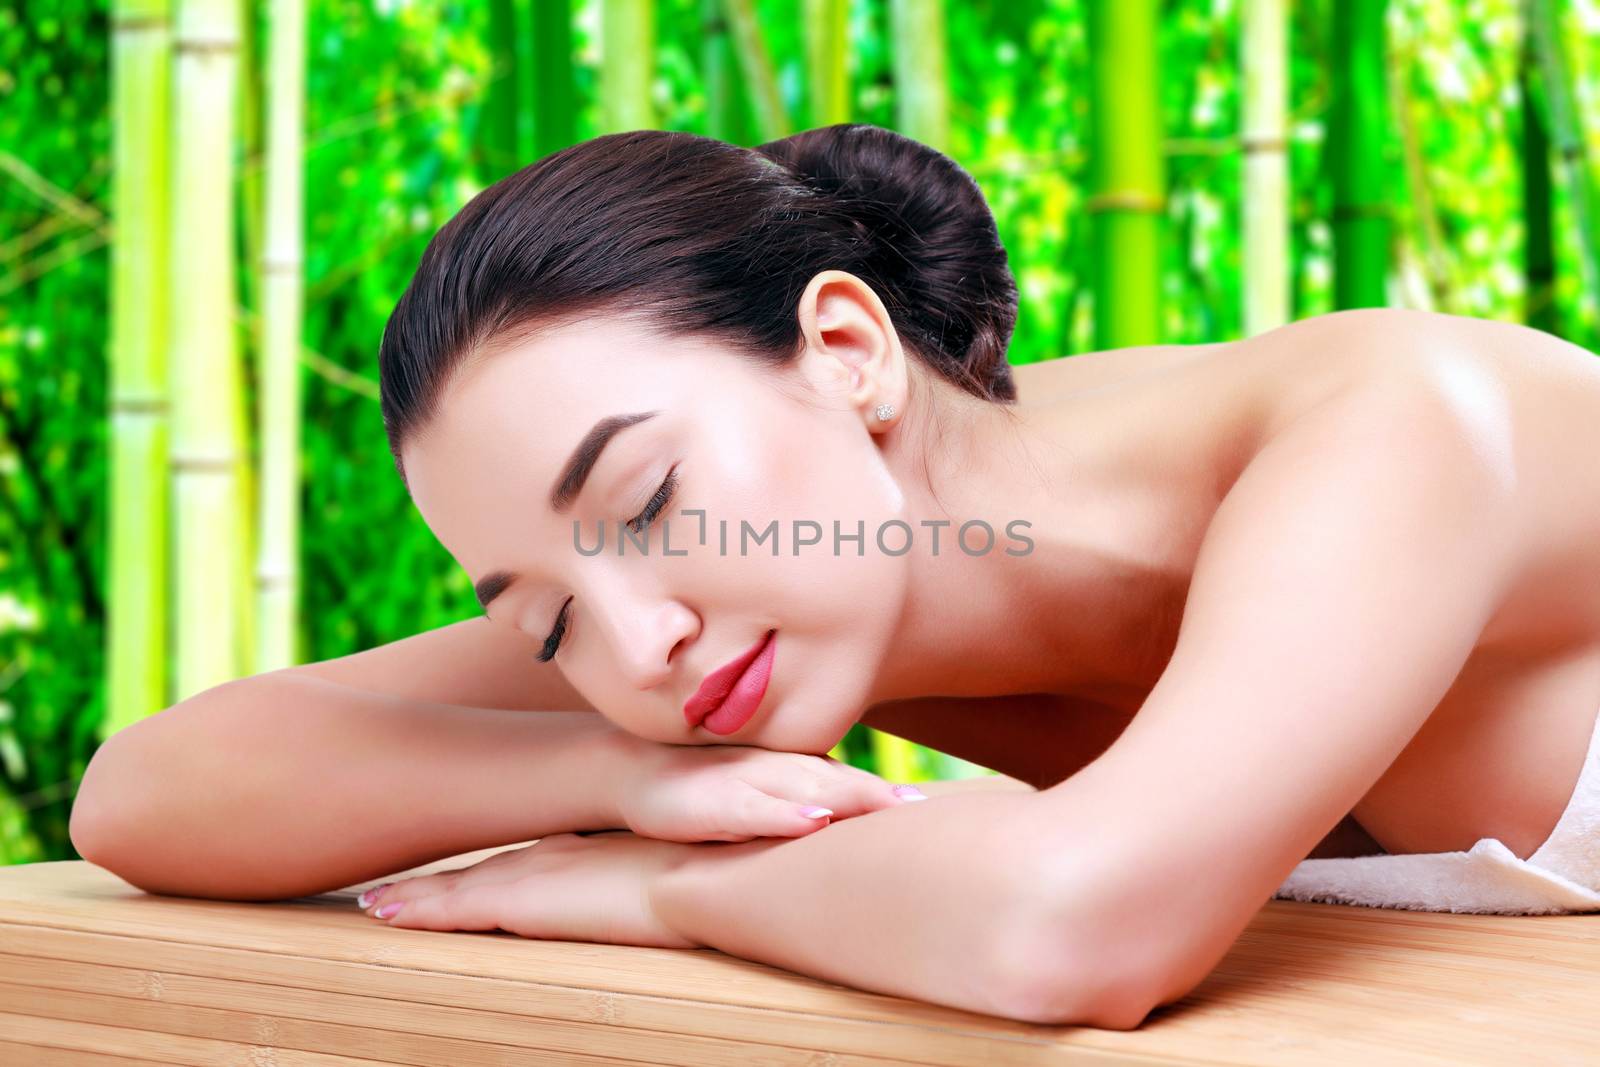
(395,97)
(54,162)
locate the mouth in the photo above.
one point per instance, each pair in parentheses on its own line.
(729,696)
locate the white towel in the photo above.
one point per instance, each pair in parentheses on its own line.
(1562,875)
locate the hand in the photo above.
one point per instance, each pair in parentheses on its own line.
(693,793)
(563,887)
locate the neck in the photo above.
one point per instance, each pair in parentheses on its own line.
(1103,478)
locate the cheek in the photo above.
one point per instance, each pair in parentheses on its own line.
(834,476)
(640,717)
(822,471)
(651,716)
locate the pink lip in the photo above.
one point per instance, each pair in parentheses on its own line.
(730,694)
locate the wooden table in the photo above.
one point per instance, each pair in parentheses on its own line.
(93,970)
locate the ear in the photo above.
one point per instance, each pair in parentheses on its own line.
(850,346)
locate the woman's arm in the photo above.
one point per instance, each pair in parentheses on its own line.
(935,901)
(285,784)
(1340,588)
(474,662)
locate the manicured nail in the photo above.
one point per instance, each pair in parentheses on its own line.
(389,910)
(909,792)
(814,812)
(366,899)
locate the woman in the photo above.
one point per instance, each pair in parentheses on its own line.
(1327,591)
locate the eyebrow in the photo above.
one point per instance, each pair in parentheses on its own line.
(568,484)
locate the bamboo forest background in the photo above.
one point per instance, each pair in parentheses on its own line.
(1179,171)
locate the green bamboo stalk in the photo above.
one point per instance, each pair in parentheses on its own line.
(248,139)
(1127,186)
(1538,256)
(1432,262)
(1566,133)
(207,454)
(627,65)
(921,85)
(1075,265)
(1357,131)
(728,114)
(282,300)
(248,214)
(827,25)
(1266,165)
(554,78)
(136,609)
(498,144)
(761,82)
(246,493)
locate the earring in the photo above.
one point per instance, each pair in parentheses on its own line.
(884,412)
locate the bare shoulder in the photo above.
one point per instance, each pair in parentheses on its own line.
(1371,367)
(1368,343)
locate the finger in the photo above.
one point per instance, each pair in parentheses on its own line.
(407,889)
(873,792)
(863,792)
(752,811)
(475,907)
(485,871)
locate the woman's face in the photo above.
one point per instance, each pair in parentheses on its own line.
(743,444)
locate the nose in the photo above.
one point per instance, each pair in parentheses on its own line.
(645,630)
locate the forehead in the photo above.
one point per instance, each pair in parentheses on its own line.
(507,422)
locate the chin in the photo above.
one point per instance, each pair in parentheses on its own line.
(812,722)
(814,736)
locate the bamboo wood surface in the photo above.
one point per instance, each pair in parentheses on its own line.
(93,970)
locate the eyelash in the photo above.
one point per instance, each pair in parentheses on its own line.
(652,509)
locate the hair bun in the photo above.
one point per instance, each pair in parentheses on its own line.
(937,260)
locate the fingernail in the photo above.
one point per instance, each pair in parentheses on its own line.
(366,899)
(814,812)
(390,909)
(909,792)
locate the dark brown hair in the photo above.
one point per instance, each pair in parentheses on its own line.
(708,238)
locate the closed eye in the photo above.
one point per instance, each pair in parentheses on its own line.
(655,504)
(653,508)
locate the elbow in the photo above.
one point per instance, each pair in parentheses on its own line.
(86,832)
(1107,994)
(110,828)
(89,827)
(1111,978)
(1085,958)
(99,836)
(104,840)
